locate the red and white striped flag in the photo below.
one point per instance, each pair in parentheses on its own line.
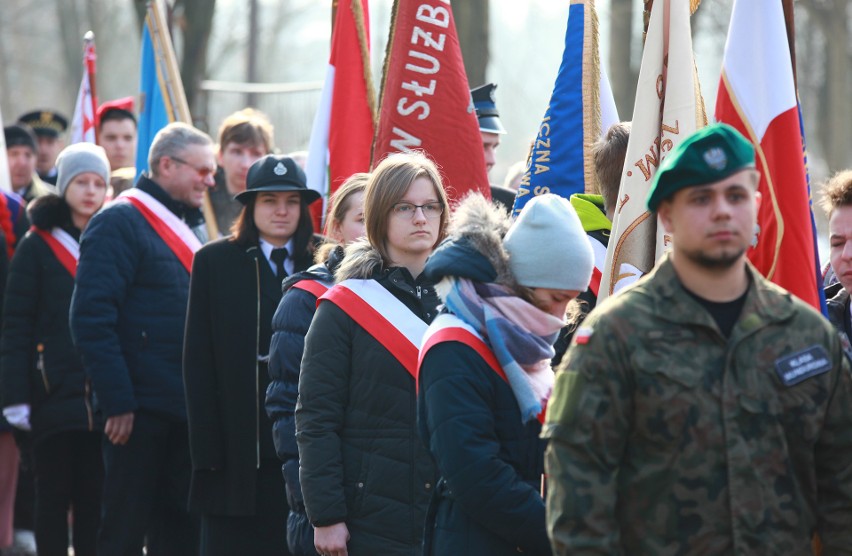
(757,96)
(83,127)
(342,134)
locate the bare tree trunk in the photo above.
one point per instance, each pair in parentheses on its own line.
(471,17)
(622,76)
(198,21)
(835,113)
(141,8)
(72,41)
(251,61)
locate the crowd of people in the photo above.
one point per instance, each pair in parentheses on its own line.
(415,378)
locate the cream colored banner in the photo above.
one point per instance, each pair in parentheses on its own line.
(668,107)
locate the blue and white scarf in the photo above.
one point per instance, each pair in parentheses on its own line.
(520,334)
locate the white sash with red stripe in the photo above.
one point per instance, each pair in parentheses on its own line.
(171,229)
(315,287)
(65,248)
(383,316)
(449,328)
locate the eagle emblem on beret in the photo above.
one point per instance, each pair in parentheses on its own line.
(716,158)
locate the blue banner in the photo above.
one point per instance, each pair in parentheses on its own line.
(153,115)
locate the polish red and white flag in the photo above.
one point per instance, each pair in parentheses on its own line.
(757,95)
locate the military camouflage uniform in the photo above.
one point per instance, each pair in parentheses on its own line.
(667,438)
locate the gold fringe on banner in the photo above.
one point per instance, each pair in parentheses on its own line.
(363,43)
(646,14)
(385,66)
(591,94)
(172,90)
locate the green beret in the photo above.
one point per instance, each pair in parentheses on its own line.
(709,155)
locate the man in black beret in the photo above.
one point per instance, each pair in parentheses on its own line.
(48,127)
(22,152)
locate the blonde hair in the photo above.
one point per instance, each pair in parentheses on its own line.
(387,186)
(339,205)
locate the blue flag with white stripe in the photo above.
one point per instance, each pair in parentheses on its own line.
(581,108)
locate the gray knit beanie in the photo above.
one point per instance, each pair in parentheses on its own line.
(78,158)
(547,246)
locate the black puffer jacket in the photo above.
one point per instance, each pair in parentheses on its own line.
(289,326)
(362,462)
(488,500)
(129,309)
(39,363)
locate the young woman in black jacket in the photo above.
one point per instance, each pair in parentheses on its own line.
(485,373)
(344,225)
(44,385)
(365,475)
(235,286)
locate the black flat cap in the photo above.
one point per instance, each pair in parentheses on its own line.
(276,173)
(20,136)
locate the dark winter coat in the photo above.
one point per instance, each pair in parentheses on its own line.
(837,303)
(129,310)
(362,462)
(39,363)
(289,327)
(233,295)
(488,500)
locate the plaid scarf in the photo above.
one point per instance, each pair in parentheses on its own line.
(520,335)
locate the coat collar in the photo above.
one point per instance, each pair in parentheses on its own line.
(765,303)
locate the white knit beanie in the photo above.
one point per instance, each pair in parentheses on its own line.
(547,246)
(79,158)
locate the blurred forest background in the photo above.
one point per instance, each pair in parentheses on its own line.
(281,47)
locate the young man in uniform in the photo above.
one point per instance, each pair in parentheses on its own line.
(48,127)
(704,410)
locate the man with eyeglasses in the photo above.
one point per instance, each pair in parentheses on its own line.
(127,320)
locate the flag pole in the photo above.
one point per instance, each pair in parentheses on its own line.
(172,89)
(790,24)
(91,60)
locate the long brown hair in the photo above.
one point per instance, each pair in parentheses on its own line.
(388,184)
(339,205)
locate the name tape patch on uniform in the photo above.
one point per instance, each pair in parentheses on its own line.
(802,365)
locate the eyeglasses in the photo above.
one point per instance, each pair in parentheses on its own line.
(203,172)
(406,211)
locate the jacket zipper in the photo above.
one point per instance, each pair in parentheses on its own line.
(257,367)
(40,367)
(89,405)
(418,292)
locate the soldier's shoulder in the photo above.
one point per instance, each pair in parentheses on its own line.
(634,302)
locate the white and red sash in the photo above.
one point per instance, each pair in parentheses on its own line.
(449,328)
(65,248)
(315,287)
(172,230)
(383,316)
(600,261)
